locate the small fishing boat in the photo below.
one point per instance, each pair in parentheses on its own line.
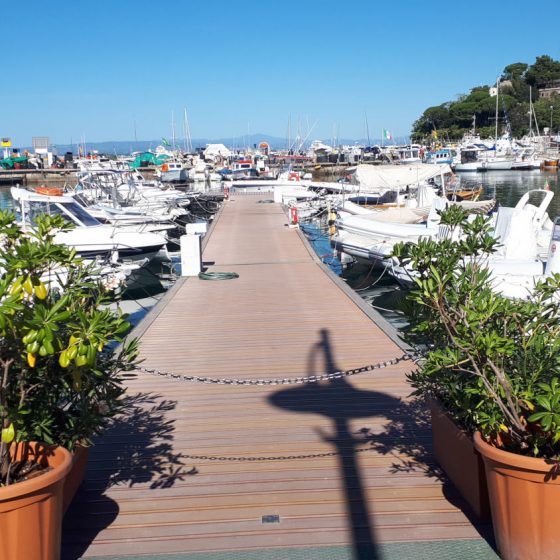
(443,155)
(173,172)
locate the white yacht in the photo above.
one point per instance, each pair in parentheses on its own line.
(90,238)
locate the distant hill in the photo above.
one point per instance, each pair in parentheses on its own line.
(121,147)
(521,87)
(127,146)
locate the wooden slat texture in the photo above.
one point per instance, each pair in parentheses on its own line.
(195,467)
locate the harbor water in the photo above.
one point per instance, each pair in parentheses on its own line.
(375,287)
(383,293)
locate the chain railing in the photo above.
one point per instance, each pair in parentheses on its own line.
(256,459)
(414,357)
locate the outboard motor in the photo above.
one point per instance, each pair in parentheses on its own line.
(553,260)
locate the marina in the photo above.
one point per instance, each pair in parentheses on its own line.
(506,187)
(341,466)
(280,281)
(271,414)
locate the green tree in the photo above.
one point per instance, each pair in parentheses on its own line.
(454,118)
(515,70)
(543,72)
(547,110)
(462,113)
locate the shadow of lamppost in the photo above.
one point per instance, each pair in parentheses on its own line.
(339,401)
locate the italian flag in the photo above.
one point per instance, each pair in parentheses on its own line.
(387,135)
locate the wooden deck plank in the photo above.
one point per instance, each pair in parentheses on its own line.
(194,467)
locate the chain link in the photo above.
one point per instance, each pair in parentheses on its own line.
(281,381)
(273,457)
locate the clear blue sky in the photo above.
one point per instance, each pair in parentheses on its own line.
(95,68)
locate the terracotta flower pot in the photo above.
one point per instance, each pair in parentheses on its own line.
(525,503)
(75,476)
(454,451)
(31,511)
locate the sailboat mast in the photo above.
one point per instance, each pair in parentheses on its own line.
(173,129)
(188,133)
(367,130)
(497,96)
(530,111)
(185,130)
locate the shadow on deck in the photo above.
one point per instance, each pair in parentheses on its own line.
(139,449)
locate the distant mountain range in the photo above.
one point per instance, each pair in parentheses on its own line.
(237,143)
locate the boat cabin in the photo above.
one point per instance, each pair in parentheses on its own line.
(242,164)
(470,155)
(410,154)
(444,155)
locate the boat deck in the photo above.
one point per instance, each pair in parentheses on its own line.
(337,469)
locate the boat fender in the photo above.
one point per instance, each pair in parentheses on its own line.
(293,215)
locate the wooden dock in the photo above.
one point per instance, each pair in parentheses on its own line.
(231,471)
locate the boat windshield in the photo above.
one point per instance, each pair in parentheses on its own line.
(80,214)
(70,211)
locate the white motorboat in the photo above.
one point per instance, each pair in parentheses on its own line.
(129,219)
(372,236)
(90,238)
(286,178)
(467,158)
(126,193)
(410,154)
(527,252)
(495,163)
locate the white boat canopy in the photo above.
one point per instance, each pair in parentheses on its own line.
(388,177)
(214,151)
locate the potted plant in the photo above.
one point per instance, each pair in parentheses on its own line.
(493,364)
(61,378)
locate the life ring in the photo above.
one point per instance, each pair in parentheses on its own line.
(49,191)
(165,168)
(293,177)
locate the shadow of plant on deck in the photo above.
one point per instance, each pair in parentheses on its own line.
(147,454)
(406,436)
(137,448)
